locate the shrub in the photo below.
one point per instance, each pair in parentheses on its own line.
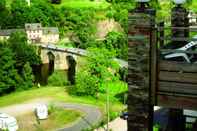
(85,84)
(58,78)
(98,70)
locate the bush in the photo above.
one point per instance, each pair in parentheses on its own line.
(58,78)
(99,69)
(85,84)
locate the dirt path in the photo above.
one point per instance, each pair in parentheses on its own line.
(19,109)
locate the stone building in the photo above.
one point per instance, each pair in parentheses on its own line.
(35,33)
(50,35)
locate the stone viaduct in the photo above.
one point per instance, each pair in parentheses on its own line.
(60,56)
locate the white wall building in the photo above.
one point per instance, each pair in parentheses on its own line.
(38,34)
(35,33)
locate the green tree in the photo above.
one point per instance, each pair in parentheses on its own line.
(43,12)
(98,70)
(24,52)
(81,22)
(2,5)
(117,41)
(25,56)
(19,10)
(9,79)
(4,15)
(27,76)
(119,12)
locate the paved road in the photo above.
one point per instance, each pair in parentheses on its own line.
(92,116)
(92,113)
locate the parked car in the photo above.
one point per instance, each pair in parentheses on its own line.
(124,115)
(8,122)
(41,111)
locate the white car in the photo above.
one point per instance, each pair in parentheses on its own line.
(42,111)
(8,122)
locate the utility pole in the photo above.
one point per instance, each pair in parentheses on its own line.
(107,104)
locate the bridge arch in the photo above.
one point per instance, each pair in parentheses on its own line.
(71,68)
(51,58)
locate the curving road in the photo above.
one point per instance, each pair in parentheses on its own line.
(91,117)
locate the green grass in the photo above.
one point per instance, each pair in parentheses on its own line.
(59,118)
(58,94)
(102,4)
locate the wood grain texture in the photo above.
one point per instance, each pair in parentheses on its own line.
(178,77)
(181,102)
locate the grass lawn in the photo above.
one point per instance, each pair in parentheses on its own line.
(55,120)
(97,4)
(59,94)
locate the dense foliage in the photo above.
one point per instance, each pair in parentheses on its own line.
(117,41)
(24,52)
(98,70)
(8,74)
(58,79)
(16,59)
(76,23)
(74,20)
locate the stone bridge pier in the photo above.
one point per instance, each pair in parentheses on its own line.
(55,59)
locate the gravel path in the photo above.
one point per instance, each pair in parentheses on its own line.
(92,113)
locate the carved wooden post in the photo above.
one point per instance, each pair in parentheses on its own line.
(179,18)
(141,22)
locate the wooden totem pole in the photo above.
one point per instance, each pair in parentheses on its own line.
(141,41)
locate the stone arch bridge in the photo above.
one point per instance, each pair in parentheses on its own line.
(52,53)
(59,56)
